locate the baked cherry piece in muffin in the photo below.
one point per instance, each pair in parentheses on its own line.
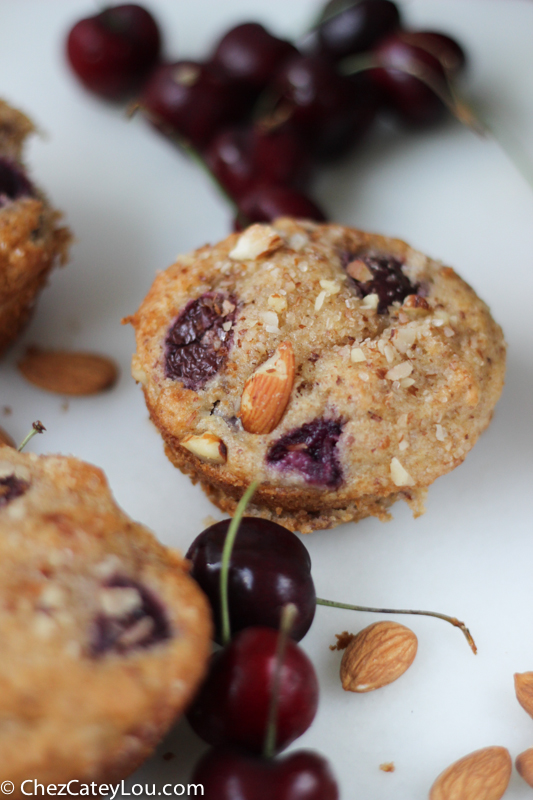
(342,369)
(104,635)
(31,239)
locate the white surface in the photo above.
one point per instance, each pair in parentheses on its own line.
(133,203)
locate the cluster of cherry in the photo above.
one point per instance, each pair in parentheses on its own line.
(261,112)
(258,697)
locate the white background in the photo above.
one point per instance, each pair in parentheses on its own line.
(133,203)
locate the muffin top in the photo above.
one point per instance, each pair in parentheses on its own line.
(319,357)
(104,635)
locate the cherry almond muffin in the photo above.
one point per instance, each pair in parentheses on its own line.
(341,369)
(31,239)
(104,635)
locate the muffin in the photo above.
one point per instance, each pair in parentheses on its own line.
(31,239)
(343,370)
(104,635)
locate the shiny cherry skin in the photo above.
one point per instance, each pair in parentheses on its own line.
(14,182)
(357,27)
(267,202)
(411,98)
(249,54)
(228,774)
(113,51)
(269,568)
(189,99)
(241,157)
(330,111)
(232,705)
(447,50)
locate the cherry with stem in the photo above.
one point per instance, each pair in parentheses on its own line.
(303,775)
(288,615)
(263,569)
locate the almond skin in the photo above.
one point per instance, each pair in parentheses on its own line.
(267,392)
(524,765)
(523,684)
(416,305)
(377,656)
(69,373)
(482,775)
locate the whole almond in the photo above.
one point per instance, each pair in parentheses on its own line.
(524,765)
(482,775)
(5,439)
(266,393)
(377,656)
(70,373)
(523,684)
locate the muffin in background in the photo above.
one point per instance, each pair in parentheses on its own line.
(32,241)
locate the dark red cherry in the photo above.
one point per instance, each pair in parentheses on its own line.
(12,487)
(411,79)
(330,111)
(197,345)
(388,281)
(267,202)
(447,50)
(310,450)
(189,99)
(350,28)
(269,568)
(113,51)
(242,157)
(14,183)
(249,54)
(138,628)
(233,704)
(228,774)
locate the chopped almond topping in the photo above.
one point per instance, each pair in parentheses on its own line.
(399,474)
(399,371)
(257,240)
(359,271)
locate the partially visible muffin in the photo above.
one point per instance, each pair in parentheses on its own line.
(342,369)
(104,635)
(31,239)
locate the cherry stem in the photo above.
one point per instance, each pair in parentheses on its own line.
(37,427)
(352,65)
(463,110)
(229,541)
(333,10)
(288,615)
(452,620)
(443,88)
(514,151)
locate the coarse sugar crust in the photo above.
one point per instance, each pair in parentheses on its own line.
(406,386)
(104,635)
(31,239)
